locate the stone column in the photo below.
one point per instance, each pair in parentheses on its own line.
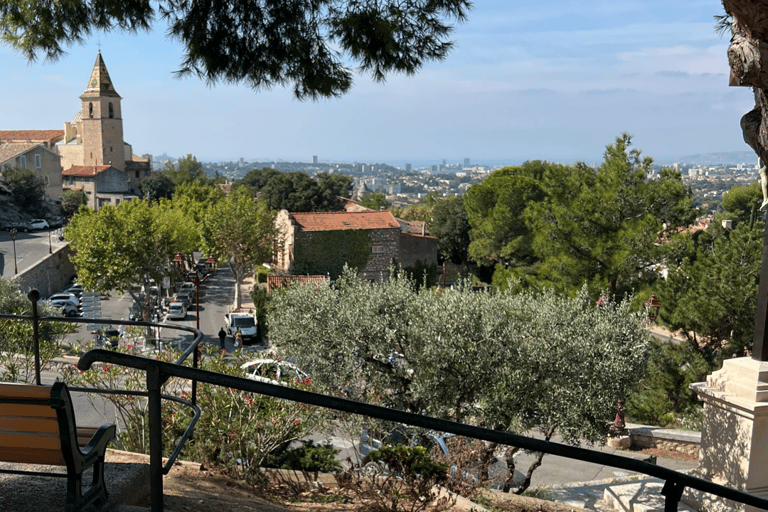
(734,437)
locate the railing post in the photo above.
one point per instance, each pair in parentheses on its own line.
(34,296)
(155,439)
(672,492)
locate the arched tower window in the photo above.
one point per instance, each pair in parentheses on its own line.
(90,110)
(111,111)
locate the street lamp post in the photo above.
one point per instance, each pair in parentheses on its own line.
(196,355)
(654,305)
(48,219)
(13,235)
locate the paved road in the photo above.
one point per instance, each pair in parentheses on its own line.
(30,248)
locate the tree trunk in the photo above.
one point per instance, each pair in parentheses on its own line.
(238,279)
(748,60)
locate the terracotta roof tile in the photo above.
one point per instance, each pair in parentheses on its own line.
(31,135)
(85,170)
(332,221)
(8,151)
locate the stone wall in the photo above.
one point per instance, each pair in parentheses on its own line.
(666,439)
(50,275)
(385,244)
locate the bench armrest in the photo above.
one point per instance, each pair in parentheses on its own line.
(98,443)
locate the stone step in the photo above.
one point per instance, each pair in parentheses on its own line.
(642,495)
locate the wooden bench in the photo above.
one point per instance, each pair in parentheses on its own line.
(37,426)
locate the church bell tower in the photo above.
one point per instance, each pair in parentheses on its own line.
(102,121)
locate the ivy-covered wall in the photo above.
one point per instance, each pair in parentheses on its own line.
(326,252)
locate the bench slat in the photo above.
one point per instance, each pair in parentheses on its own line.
(33,456)
(42,410)
(26,391)
(27,424)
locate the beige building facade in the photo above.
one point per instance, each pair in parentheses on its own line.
(36,150)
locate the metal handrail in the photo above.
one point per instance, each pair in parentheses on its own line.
(158,372)
(187,432)
(675,482)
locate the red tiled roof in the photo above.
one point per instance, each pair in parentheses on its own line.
(85,170)
(333,221)
(8,151)
(30,135)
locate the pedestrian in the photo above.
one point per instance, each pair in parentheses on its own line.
(222,338)
(238,338)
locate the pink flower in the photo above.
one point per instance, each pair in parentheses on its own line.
(296,421)
(105,368)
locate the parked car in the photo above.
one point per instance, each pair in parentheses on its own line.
(183,298)
(273,371)
(107,337)
(189,289)
(38,224)
(18,226)
(76,289)
(176,311)
(67,308)
(65,297)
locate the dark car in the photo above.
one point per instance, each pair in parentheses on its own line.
(107,337)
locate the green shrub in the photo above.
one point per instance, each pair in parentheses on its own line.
(405,480)
(309,458)
(664,396)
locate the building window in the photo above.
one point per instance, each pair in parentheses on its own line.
(111,111)
(377,249)
(90,110)
(138,174)
(47,181)
(37,161)
(23,161)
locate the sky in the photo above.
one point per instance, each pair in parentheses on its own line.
(551,80)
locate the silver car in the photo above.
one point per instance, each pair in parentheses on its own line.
(176,311)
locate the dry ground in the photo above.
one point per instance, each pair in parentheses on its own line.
(190,487)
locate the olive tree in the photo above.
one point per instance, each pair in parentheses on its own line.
(516,362)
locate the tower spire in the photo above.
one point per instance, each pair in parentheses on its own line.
(99,84)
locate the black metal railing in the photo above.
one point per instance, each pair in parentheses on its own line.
(158,372)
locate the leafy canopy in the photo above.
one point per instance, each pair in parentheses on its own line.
(240,231)
(27,189)
(312,44)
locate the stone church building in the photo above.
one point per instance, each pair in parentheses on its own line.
(89,154)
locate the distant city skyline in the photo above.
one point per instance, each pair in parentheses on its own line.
(557,81)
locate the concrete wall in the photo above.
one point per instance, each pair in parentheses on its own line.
(50,275)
